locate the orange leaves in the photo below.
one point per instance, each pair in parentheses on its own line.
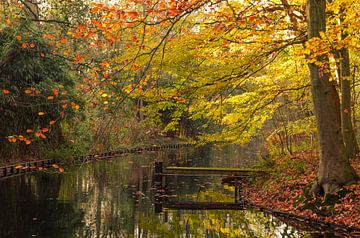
(39,168)
(50,97)
(18,38)
(41,113)
(5,91)
(12,139)
(32,91)
(60,169)
(40,134)
(24,45)
(29,131)
(74,106)
(63,41)
(56,166)
(55,92)
(95,9)
(52,122)
(133,14)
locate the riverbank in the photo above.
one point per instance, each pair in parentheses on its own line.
(69,151)
(288,190)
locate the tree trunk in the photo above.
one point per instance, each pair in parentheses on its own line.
(351,144)
(334,169)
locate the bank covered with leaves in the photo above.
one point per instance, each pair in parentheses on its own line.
(288,189)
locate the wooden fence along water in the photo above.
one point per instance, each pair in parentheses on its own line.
(33,166)
(233,177)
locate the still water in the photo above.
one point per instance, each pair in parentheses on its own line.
(115,198)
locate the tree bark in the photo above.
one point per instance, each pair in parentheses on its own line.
(351,144)
(334,169)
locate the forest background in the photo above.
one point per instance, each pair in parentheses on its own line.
(79,76)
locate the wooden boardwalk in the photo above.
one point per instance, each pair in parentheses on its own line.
(204,205)
(172,170)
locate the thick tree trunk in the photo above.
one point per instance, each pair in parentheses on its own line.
(334,169)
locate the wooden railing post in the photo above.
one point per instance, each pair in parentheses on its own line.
(158,181)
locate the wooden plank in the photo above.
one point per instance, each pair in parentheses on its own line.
(215,171)
(204,205)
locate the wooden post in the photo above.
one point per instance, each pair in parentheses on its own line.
(236,193)
(158,181)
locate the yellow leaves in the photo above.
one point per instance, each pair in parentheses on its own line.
(322,35)
(104,95)
(19,166)
(306,51)
(41,113)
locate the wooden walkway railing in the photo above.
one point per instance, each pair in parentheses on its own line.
(235,175)
(33,166)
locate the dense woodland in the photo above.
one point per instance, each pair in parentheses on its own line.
(80,76)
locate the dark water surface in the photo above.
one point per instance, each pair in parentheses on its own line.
(115,198)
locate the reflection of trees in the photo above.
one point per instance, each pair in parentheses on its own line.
(114,199)
(173,223)
(29,207)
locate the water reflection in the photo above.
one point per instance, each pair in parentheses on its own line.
(115,199)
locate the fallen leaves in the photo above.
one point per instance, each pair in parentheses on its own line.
(279,192)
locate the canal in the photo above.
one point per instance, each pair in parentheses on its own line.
(115,198)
